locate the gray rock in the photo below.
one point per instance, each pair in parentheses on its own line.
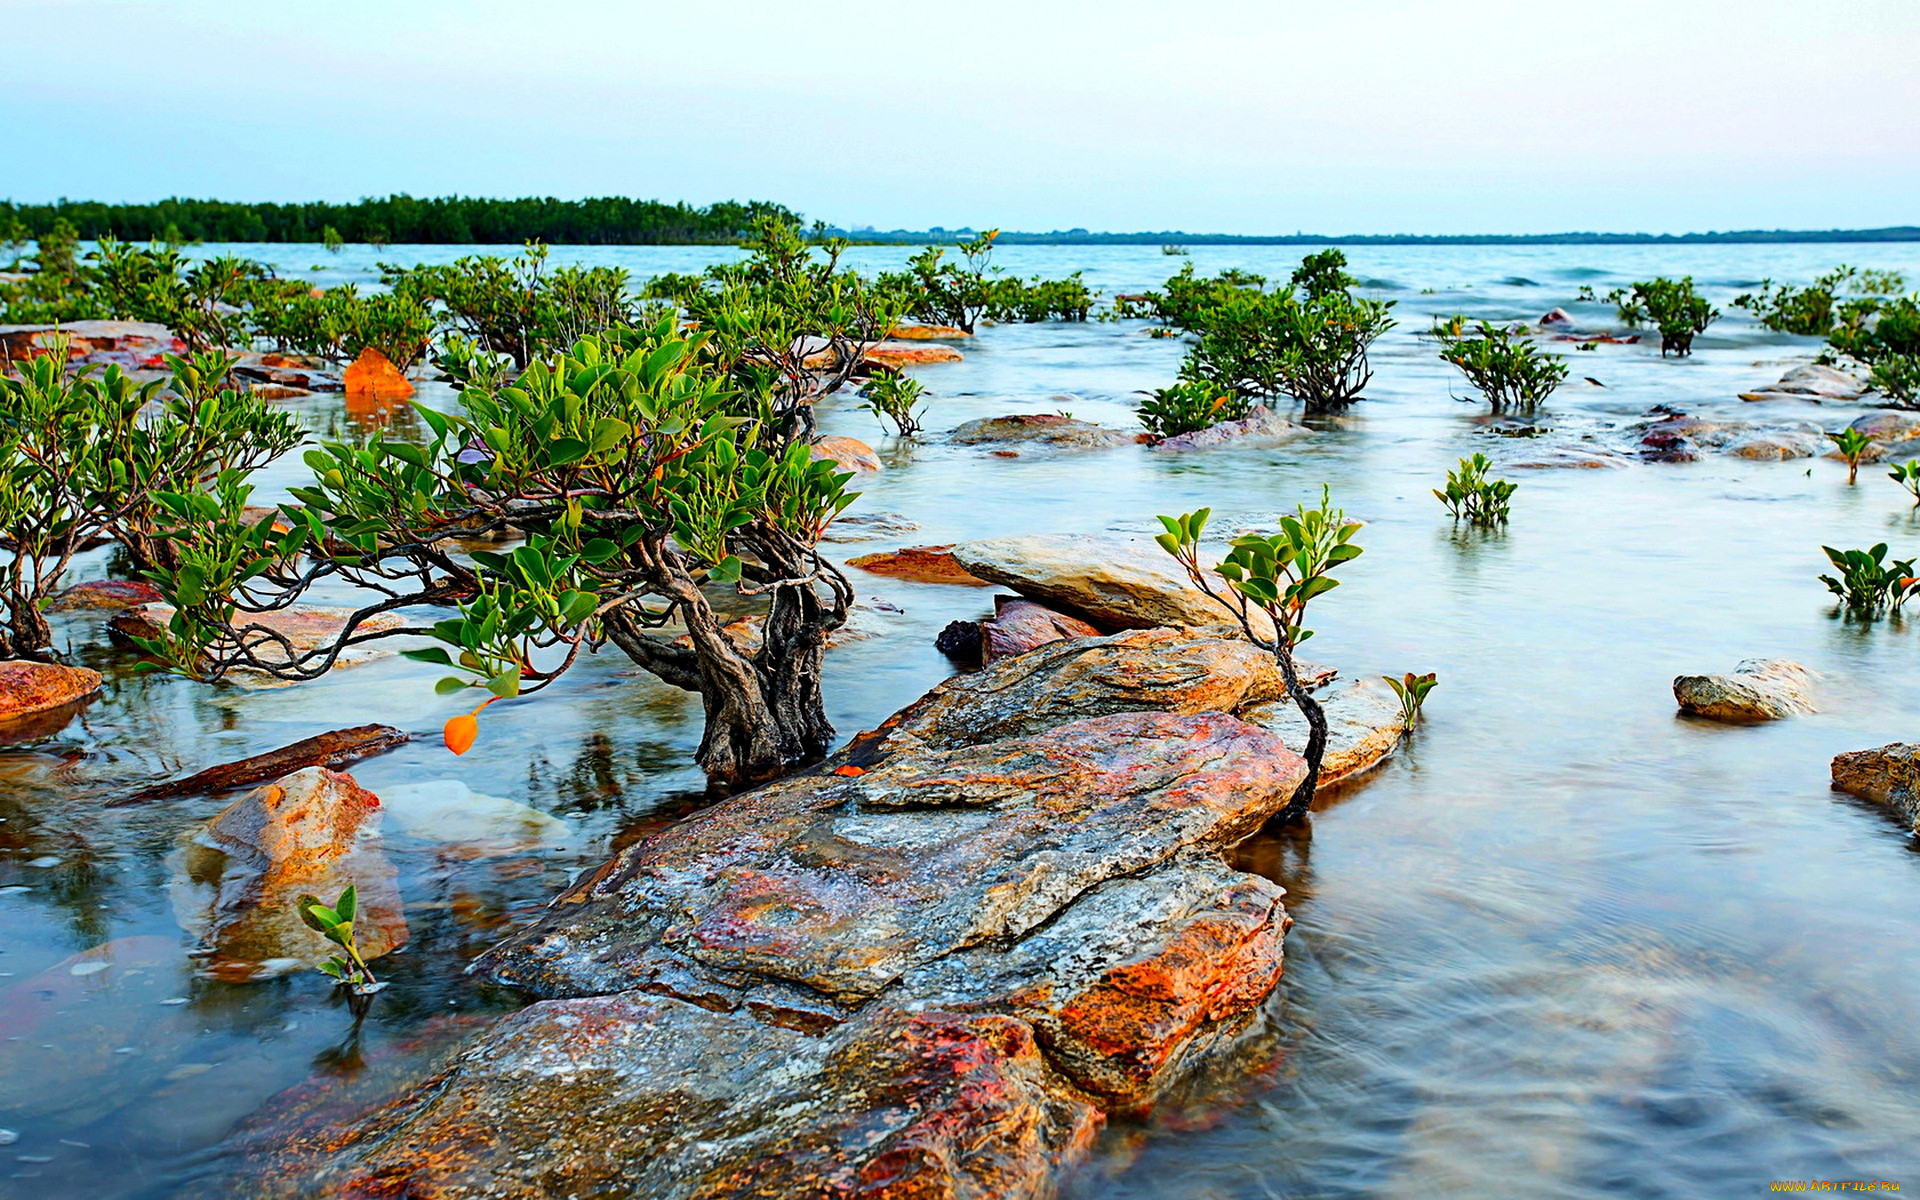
(1054,431)
(1113,581)
(1264,428)
(1810,381)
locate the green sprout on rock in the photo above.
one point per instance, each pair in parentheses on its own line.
(335,923)
(1412,690)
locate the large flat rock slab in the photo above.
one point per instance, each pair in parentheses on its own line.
(1115,582)
(639,1095)
(839,884)
(1143,670)
(1766,689)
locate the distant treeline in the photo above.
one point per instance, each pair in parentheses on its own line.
(610,220)
(1081,237)
(618,221)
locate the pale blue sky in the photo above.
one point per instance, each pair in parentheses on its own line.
(1336,116)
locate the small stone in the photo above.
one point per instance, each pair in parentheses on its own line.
(45,860)
(88,968)
(8,1137)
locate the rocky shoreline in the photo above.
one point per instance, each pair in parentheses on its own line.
(931,966)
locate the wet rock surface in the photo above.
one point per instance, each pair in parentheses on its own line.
(1810,381)
(1021,625)
(929,967)
(852,454)
(314,831)
(1757,690)
(921,564)
(1113,582)
(1363,726)
(1054,431)
(28,689)
(1888,774)
(1264,428)
(105,595)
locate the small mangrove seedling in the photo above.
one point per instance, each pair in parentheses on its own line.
(335,923)
(891,398)
(1907,475)
(1412,690)
(1852,444)
(1502,365)
(1190,405)
(1277,575)
(1470,494)
(1867,583)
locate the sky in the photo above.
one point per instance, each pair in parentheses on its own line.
(1339,116)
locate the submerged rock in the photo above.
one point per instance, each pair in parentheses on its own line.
(850,453)
(1889,775)
(315,831)
(1758,690)
(1021,625)
(1779,444)
(1264,428)
(28,688)
(920,564)
(899,355)
(1363,726)
(469,824)
(1888,426)
(1114,582)
(923,333)
(1810,381)
(105,595)
(1053,431)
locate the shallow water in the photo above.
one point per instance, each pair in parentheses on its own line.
(1565,943)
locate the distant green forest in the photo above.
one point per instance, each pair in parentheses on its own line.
(618,221)
(448,220)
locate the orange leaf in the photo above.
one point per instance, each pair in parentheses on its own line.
(849,769)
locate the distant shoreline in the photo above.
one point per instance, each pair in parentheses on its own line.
(624,221)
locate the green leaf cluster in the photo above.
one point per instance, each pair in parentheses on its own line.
(1867,583)
(1277,573)
(335,923)
(1502,364)
(894,399)
(1190,405)
(1411,690)
(1471,494)
(1670,305)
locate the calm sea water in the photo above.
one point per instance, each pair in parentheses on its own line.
(1565,943)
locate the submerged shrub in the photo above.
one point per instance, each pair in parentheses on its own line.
(1190,405)
(1471,494)
(1813,310)
(1309,342)
(892,398)
(1867,583)
(1669,305)
(519,307)
(1502,365)
(1277,575)
(1897,377)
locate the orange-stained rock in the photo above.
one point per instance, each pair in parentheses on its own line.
(1055,431)
(707,1106)
(105,595)
(921,564)
(1139,976)
(1021,625)
(27,688)
(928,333)
(851,453)
(1889,774)
(891,355)
(314,831)
(372,376)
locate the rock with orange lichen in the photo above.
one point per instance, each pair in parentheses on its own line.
(1141,670)
(708,1106)
(38,699)
(927,333)
(839,885)
(105,595)
(852,454)
(314,831)
(919,564)
(1139,976)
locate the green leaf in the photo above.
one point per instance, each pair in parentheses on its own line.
(505,685)
(431,654)
(449,685)
(727,570)
(305,904)
(347,904)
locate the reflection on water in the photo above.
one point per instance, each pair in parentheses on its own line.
(1564,943)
